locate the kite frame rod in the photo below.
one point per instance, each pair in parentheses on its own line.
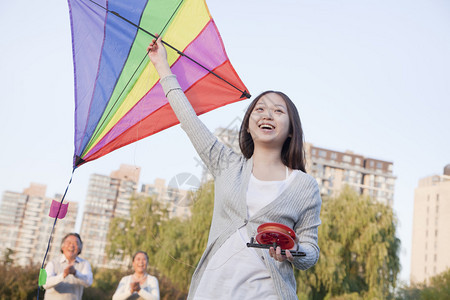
(244,93)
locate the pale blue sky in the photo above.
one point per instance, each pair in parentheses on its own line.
(368,76)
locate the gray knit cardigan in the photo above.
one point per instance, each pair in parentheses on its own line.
(297,207)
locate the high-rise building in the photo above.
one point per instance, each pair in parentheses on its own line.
(431,223)
(333,169)
(107,197)
(25,225)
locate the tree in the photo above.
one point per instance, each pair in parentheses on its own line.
(7,257)
(19,282)
(437,289)
(359,251)
(139,232)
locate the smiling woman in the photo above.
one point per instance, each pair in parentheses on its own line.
(68,275)
(139,285)
(265,184)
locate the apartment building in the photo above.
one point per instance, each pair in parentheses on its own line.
(334,169)
(431,227)
(25,225)
(107,197)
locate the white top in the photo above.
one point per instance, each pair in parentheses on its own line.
(149,290)
(71,287)
(236,271)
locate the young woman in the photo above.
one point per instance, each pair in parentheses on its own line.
(139,285)
(267,183)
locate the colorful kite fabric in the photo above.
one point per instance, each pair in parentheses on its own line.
(118,98)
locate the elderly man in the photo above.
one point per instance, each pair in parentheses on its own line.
(68,275)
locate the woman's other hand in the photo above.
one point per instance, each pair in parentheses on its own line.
(276,253)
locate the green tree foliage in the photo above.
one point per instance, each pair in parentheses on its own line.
(139,232)
(104,285)
(437,289)
(359,251)
(7,257)
(18,282)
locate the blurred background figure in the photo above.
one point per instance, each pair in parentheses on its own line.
(139,285)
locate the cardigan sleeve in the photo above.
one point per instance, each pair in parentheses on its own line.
(307,230)
(215,155)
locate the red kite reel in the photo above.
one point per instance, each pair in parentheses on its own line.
(274,235)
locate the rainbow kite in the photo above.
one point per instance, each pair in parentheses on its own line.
(118,98)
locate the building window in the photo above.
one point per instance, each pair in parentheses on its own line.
(322,153)
(333,155)
(379,165)
(347,158)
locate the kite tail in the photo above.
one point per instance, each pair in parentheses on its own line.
(51,235)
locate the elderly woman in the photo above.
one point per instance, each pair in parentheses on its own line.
(139,285)
(69,274)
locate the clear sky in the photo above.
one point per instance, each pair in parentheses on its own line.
(368,76)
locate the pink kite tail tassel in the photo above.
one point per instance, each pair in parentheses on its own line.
(55,207)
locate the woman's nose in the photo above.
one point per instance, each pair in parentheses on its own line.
(267,115)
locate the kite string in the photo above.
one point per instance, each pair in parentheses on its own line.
(158,243)
(53,227)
